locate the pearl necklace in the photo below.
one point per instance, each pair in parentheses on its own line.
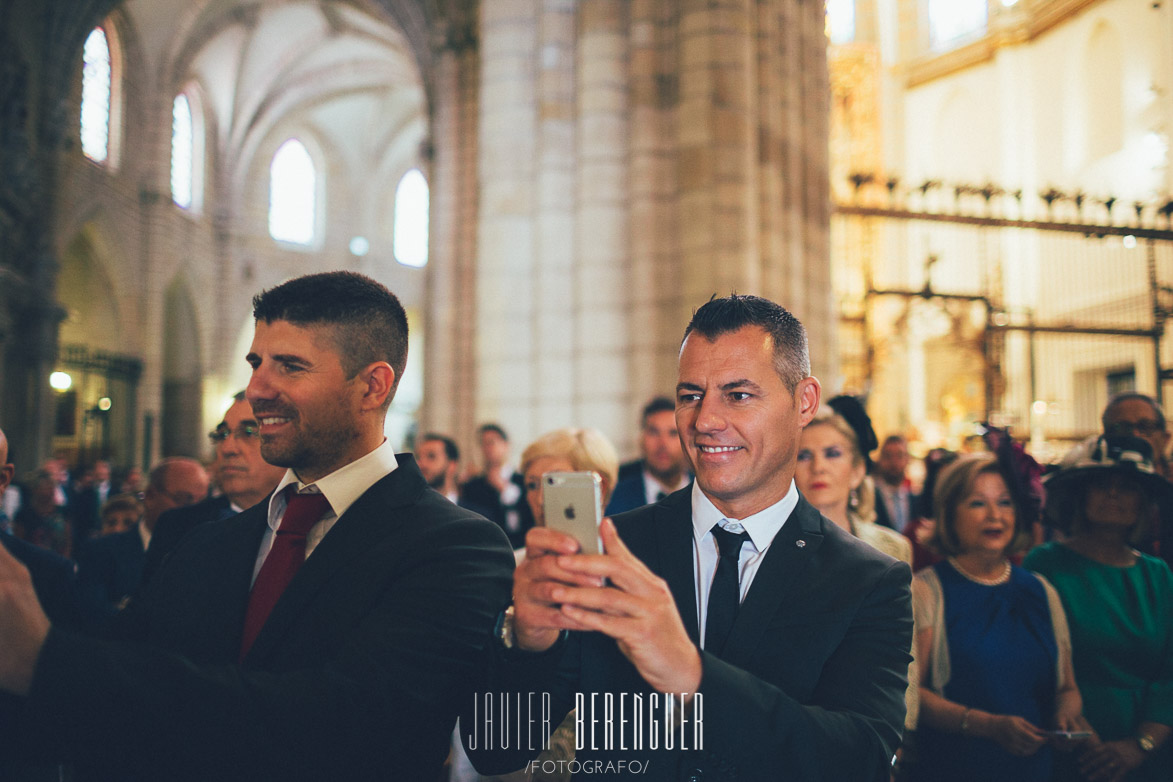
(1001,578)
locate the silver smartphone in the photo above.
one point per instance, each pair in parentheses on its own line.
(573,503)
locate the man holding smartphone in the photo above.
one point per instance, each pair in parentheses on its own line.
(782,641)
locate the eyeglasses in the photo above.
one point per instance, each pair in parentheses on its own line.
(1129,428)
(244,433)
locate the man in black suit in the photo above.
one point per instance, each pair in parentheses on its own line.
(110,568)
(782,641)
(895,502)
(239,471)
(661,465)
(499,490)
(327,633)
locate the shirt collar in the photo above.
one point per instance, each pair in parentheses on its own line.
(761,526)
(341,487)
(652,487)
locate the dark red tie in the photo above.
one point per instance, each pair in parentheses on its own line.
(302,512)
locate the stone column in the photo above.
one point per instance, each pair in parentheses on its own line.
(508,161)
(602,297)
(449,404)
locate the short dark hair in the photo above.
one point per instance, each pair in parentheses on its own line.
(368,322)
(1127,396)
(658,404)
(491,427)
(898,439)
(451,451)
(735,312)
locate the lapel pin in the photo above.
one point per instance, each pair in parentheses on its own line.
(800,543)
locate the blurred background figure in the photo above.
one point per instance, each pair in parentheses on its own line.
(567,450)
(831,475)
(499,489)
(41,519)
(120,513)
(132,481)
(1119,602)
(89,497)
(992,640)
(894,498)
(920,529)
(110,568)
(438,458)
(660,469)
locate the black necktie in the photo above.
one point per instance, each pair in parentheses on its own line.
(725,594)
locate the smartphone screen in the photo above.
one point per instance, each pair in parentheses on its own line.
(572,502)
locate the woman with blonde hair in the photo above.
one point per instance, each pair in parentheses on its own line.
(832,475)
(567,450)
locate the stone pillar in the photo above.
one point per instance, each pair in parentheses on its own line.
(636,158)
(449,406)
(507,381)
(603,298)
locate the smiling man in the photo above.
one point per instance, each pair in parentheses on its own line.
(330,632)
(782,640)
(241,473)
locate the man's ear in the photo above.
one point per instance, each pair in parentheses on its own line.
(6,473)
(380,385)
(808,392)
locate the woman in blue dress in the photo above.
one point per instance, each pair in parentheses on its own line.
(996,674)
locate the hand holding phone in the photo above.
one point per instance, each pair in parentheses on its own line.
(572,502)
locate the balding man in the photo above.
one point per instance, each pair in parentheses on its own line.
(111,567)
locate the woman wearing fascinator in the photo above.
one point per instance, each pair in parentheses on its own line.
(1119,603)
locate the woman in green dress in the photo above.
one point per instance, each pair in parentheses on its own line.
(1119,606)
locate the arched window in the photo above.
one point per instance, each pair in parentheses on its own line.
(187,150)
(181,151)
(96,81)
(841,21)
(411,220)
(292,194)
(952,21)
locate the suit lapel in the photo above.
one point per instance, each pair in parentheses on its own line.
(674,551)
(786,561)
(362,527)
(218,598)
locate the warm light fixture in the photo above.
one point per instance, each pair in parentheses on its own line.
(60,381)
(104,404)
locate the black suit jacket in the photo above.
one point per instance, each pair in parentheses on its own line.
(54,579)
(173,525)
(110,569)
(357,674)
(479,493)
(810,685)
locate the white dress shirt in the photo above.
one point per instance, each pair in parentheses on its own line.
(341,487)
(653,488)
(762,527)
